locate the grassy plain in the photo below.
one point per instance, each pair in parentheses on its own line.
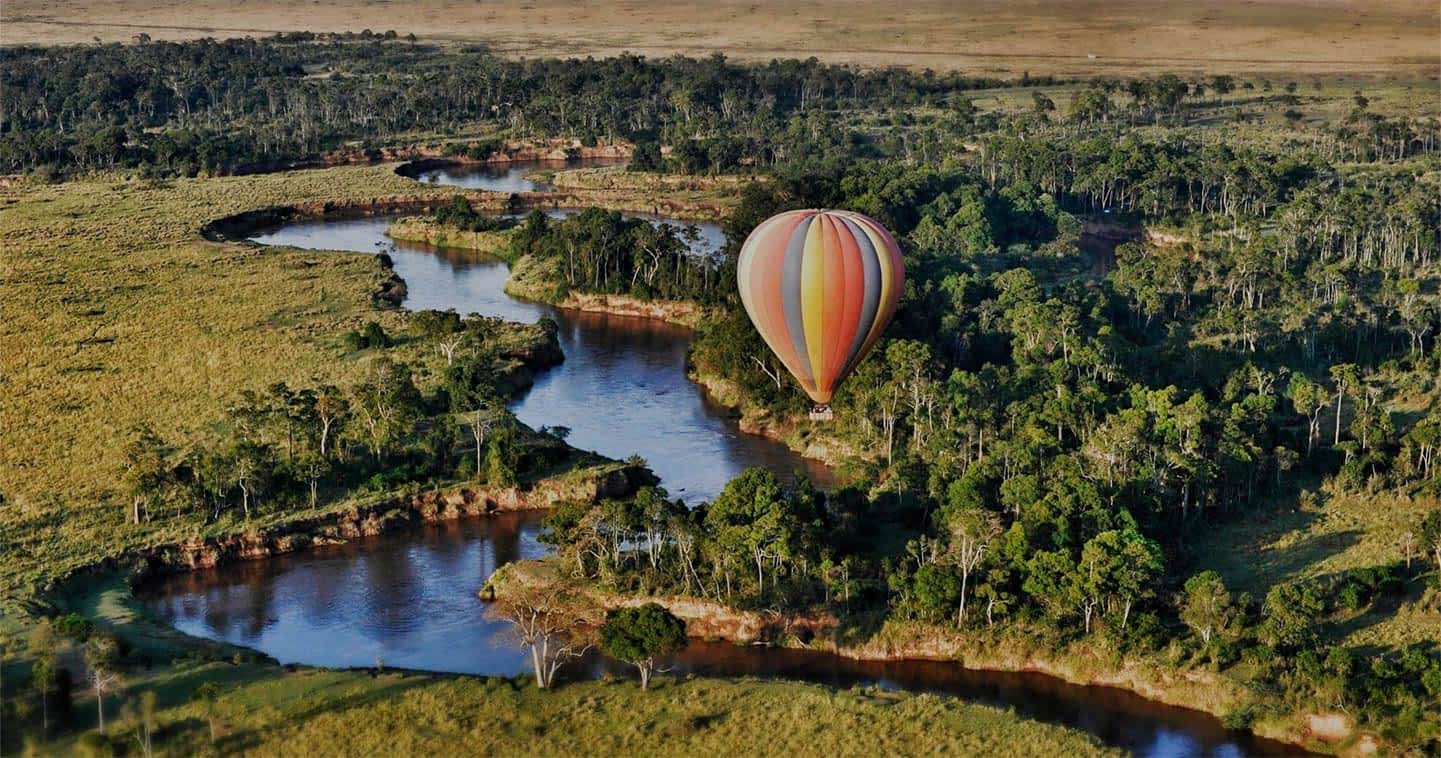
(267,711)
(992,37)
(116,312)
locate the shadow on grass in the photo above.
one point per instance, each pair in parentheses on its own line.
(1265,547)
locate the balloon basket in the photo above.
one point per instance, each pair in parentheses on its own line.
(822,413)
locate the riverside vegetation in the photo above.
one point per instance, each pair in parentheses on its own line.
(1206,454)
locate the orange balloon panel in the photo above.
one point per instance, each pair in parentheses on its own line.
(820,286)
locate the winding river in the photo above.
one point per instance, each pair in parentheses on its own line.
(409,599)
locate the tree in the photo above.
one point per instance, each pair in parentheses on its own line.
(1309,399)
(100,660)
(1207,607)
(502,456)
(387,403)
(754,517)
(1050,581)
(646,157)
(1431,536)
(1291,612)
(1345,376)
(639,635)
(142,714)
(207,698)
(971,531)
(1118,567)
(330,410)
(541,619)
(1040,103)
(44,673)
(146,470)
(480,424)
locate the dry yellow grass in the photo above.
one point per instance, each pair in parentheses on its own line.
(1003,37)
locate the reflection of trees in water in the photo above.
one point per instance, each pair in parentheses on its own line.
(505,544)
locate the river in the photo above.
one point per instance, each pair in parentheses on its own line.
(409,599)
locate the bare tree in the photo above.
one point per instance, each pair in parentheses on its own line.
(972,530)
(1408,546)
(449,344)
(100,660)
(541,620)
(479,426)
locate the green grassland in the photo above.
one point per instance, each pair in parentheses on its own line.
(117,313)
(267,711)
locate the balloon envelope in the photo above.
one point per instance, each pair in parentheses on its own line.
(820,287)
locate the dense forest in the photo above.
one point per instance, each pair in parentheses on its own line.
(605,252)
(1052,420)
(219,106)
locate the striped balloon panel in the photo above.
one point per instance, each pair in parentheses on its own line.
(820,287)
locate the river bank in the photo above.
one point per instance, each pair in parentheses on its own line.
(898,641)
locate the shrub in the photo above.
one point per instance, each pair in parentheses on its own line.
(74,626)
(1239,718)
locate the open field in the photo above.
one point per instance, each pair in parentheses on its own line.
(1396,37)
(1316,540)
(266,711)
(118,312)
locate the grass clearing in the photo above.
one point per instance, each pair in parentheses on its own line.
(1332,535)
(408,714)
(987,37)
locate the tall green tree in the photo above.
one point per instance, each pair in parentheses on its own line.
(641,634)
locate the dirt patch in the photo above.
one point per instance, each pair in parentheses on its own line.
(1329,727)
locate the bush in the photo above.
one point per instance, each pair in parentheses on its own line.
(371,336)
(1239,718)
(75,627)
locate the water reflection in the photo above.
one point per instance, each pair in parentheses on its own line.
(622,389)
(408,600)
(516,176)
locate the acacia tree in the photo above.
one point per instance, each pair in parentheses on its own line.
(639,635)
(541,620)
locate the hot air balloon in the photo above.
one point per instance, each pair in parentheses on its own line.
(820,287)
